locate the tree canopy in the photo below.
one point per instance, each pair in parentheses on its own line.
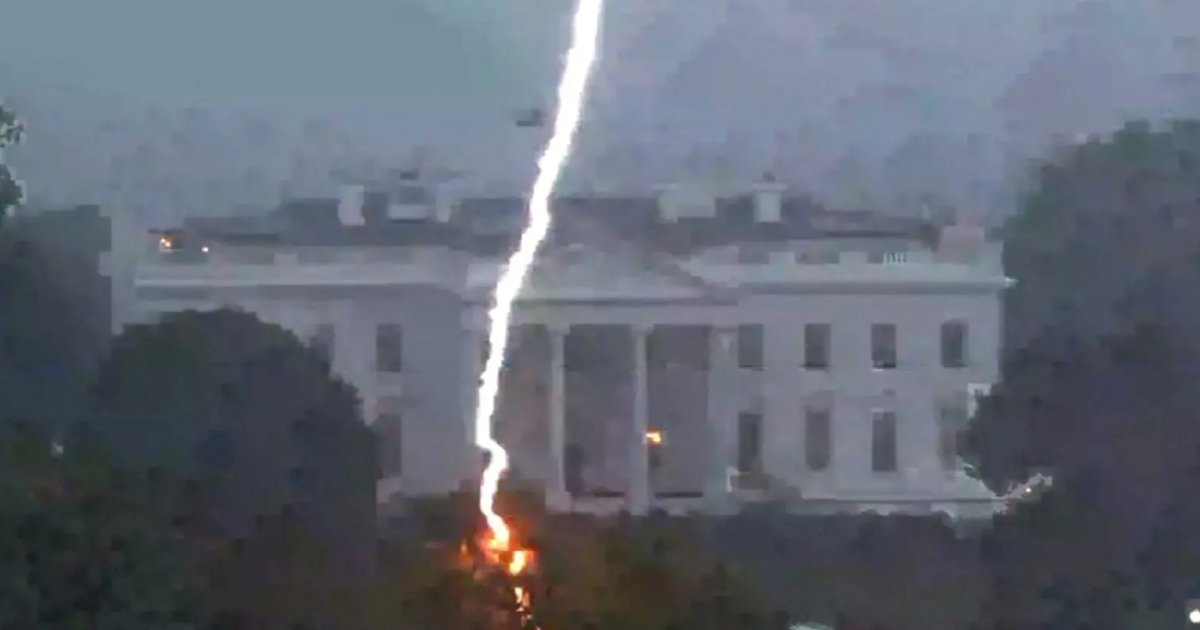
(83,545)
(1098,385)
(245,410)
(11,132)
(48,336)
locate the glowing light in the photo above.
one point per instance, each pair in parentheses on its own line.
(1194,616)
(585,32)
(654,437)
(164,243)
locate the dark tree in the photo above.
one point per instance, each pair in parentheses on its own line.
(84,546)
(48,343)
(248,413)
(1098,386)
(1099,323)
(1101,217)
(11,191)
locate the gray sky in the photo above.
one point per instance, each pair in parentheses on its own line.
(862,101)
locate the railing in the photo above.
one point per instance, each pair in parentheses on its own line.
(197,269)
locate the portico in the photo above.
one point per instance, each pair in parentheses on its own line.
(598,453)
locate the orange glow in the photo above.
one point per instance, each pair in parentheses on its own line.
(520,559)
(654,438)
(164,242)
(500,551)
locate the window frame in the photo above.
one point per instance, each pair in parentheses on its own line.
(827,362)
(963,357)
(389,357)
(882,362)
(893,448)
(824,414)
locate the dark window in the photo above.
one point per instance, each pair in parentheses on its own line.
(389,430)
(817,438)
(749,443)
(389,348)
(883,346)
(322,341)
(883,442)
(817,345)
(952,419)
(750,346)
(654,456)
(573,468)
(753,254)
(954,344)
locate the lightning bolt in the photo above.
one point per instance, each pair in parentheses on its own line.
(572,88)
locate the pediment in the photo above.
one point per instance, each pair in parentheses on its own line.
(591,272)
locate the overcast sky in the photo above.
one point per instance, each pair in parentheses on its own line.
(861,101)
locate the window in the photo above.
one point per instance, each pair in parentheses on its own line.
(750,346)
(817,339)
(749,459)
(883,346)
(753,254)
(883,441)
(389,348)
(954,344)
(573,468)
(817,434)
(389,432)
(322,341)
(952,419)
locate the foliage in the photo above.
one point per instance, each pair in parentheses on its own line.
(11,132)
(1101,218)
(1098,384)
(84,546)
(1104,253)
(248,413)
(590,573)
(46,345)
(865,569)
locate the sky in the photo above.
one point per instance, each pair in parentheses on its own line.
(186,107)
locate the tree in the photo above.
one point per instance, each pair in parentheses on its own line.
(11,132)
(1098,384)
(47,341)
(1104,253)
(1102,216)
(847,569)
(621,574)
(84,545)
(248,413)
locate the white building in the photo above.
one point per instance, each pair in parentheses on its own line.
(683,351)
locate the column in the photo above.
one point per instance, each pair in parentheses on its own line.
(723,449)
(472,367)
(556,488)
(639,469)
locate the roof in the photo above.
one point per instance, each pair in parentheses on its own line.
(492,225)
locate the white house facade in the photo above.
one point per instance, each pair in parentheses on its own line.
(684,351)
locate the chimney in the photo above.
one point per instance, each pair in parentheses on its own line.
(351,204)
(768,200)
(678,201)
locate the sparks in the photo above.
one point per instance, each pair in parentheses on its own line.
(572,87)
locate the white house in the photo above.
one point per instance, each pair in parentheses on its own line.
(685,350)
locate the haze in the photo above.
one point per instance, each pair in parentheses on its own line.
(175,108)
